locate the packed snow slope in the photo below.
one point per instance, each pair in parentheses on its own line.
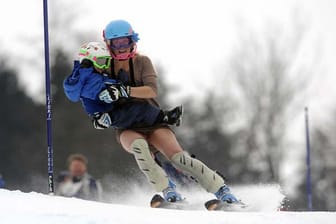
(35,208)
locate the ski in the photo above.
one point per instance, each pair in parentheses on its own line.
(158,201)
(218,205)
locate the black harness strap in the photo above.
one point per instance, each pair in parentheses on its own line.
(131,67)
(113,75)
(130,61)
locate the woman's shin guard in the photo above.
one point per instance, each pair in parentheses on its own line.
(154,173)
(208,178)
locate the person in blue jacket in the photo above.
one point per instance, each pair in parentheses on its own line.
(86,83)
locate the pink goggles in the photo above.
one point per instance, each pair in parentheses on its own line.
(120,43)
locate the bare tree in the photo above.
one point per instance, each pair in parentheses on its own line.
(268,82)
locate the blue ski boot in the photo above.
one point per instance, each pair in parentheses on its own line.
(225,195)
(225,201)
(170,193)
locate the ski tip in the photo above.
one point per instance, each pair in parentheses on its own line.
(212,204)
(156,201)
(159,202)
(218,205)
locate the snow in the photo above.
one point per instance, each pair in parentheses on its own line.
(17,207)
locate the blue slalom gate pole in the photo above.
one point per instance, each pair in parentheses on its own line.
(308,183)
(48,100)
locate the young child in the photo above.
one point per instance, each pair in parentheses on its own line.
(87,83)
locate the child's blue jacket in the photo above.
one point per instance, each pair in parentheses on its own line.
(85,84)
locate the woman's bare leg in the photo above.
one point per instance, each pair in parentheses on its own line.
(164,140)
(127,138)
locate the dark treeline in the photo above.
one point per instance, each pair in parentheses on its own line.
(21,131)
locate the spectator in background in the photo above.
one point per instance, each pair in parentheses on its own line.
(2,182)
(76,182)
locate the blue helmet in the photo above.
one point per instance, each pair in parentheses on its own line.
(120,28)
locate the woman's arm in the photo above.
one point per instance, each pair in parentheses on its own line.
(144,92)
(147,86)
(144,71)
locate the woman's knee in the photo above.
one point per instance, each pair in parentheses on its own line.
(128,137)
(165,141)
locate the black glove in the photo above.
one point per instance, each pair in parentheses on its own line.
(113,92)
(101,120)
(124,91)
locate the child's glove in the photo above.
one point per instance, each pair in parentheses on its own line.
(109,95)
(101,120)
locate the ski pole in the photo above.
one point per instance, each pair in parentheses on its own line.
(308,183)
(48,99)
